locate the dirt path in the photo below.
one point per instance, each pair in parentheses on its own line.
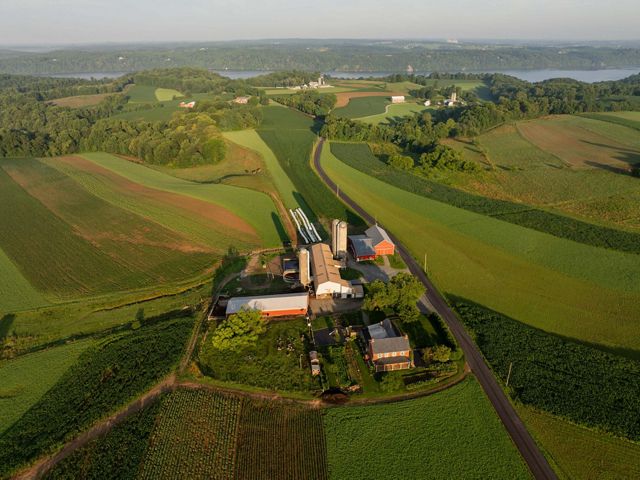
(529,450)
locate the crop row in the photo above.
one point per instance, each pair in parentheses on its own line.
(569,379)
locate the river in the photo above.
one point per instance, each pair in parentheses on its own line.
(588,76)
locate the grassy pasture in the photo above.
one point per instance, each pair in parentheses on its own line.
(542,280)
(42,326)
(79,101)
(133,251)
(251,139)
(582,147)
(627,119)
(394,111)
(251,207)
(165,94)
(521,172)
(288,135)
(16,293)
(24,380)
(577,452)
(454,434)
(364,107)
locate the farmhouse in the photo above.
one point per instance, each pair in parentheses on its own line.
(187,104)
(327,281)
(284,305)
(397,99)
(388,350)
(242,100)
(374,243)
(427,103)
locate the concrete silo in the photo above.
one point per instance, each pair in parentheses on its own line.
(339,238)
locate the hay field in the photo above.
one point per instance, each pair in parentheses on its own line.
(79,101)
(537,278)
(394,111)
(166,94)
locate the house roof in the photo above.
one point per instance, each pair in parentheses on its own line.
(392,360)
(389,345)
(324,267)
(362,245)
(269,303)
(377,235)
(382,329)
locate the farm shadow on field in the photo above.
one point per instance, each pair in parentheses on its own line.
(5,325)
(282,232)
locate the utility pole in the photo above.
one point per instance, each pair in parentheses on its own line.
(338,190)
(425,262)
(509,374)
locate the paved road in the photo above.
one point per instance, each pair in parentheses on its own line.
(528,449)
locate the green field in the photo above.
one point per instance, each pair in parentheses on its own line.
(542,280)
(16,293)
(522,172)
(166,94)
(628,119)
(454,434)
(363,107)
(107,375)
(68,242)
(394,111)
(251,140)
(26,379)
(577,452)
(289,136)
(151,94)
(254,207)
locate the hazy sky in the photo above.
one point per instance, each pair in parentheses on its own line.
(90,21)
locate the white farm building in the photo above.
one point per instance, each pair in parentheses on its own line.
(397,99)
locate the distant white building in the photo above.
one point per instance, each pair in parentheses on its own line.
(427,103)
(187,104)
(242,100)
(397,99)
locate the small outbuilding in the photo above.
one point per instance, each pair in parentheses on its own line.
(314,360)
(374,243)
(397,99)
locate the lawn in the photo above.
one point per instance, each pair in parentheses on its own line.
(166,94)
(628,119)
(577,452)
(454,434)
(289,136)
(363,107)
(24,380)
(142,94)
(80,101)
(92,246)
(394,111)
(251,140)
(253,207)
(542,280)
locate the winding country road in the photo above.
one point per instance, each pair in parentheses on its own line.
(532,455)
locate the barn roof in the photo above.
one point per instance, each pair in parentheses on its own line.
(362,245)
(377,235)
(269,303)
(324,266)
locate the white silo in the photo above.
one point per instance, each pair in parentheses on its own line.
(303,260)
(341,240)
(334,236)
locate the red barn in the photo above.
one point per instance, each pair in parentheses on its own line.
(374,243)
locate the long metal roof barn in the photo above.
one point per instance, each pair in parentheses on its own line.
(270,305)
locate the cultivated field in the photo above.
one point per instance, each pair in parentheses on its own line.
(16,293)
(454,434)
(364,106)
(628,119)
(79,101)
(194,437)
(288,135)
(543,280)
(26,379)
(205,434)
(251,140)
(577,452)
(248,207)
(68,242)
(151,94)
